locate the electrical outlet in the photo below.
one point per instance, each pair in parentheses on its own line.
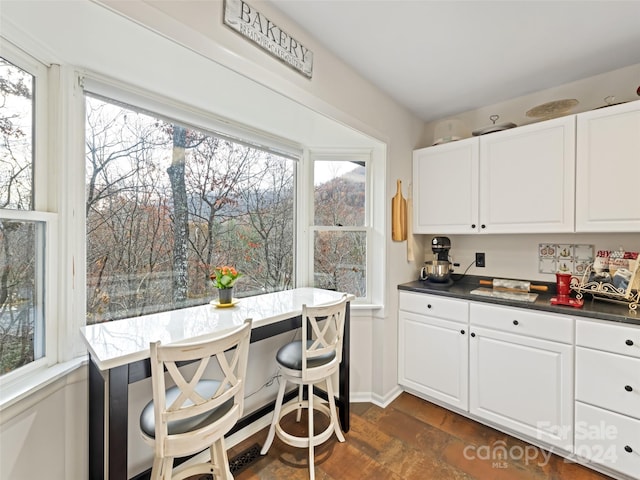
(480,260)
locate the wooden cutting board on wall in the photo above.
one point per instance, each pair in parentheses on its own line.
(398,216)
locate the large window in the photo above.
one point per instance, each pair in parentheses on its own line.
(166,203)
(23,229)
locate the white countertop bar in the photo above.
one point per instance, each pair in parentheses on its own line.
(120,342)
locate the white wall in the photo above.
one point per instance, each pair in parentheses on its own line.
(590,93)
(45,436)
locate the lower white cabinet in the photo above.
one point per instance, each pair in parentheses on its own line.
(607,423)
(433,348)
(521,373)
(608,438)
(522,383)
(571,384)
(608,380)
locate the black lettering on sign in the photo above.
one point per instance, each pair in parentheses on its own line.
(255,26)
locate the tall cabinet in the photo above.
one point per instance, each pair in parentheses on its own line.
(608,169)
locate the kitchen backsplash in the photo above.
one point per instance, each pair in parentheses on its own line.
(564,257)
(518,256)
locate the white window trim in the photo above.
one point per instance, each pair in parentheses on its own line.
(343,155)
(43,195)
(187,114)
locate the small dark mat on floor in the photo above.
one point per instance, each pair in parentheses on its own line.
(241,461)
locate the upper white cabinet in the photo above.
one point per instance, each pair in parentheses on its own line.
(445,188)
(608,169)
(515,181)
(527,178)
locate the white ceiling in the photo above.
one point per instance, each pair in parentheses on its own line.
(440,58)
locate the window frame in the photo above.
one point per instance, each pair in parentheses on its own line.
(364,155)
(40,213)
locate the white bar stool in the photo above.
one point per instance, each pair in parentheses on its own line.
(323,327)
(196,413)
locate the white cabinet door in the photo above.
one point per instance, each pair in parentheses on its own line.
(522,383)
(433,356)
(445,188)
(608,169)
(527,178)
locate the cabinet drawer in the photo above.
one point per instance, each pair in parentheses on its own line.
(608,438)
(434,306)
(609,381)
(609,337)
(515,320)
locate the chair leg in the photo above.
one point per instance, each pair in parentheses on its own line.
(312,473)
(220,461)
(300,400)
(166,468)
(334,411)
(156,469)
(276,417)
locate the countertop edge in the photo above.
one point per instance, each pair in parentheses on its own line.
(593,308)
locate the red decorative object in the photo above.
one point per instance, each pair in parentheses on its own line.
(563,289)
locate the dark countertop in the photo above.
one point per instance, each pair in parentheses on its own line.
(593,308)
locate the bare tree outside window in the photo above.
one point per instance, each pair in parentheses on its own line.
(21,244)
(340,237)
(16,130)
(167,203)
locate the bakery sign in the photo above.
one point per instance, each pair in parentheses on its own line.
(255,26)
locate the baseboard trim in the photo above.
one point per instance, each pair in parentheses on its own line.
(378,400)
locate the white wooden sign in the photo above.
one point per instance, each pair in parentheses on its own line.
(255,26)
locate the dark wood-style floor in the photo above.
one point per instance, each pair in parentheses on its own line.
(410,440)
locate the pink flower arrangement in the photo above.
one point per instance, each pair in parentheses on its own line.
(225,277)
